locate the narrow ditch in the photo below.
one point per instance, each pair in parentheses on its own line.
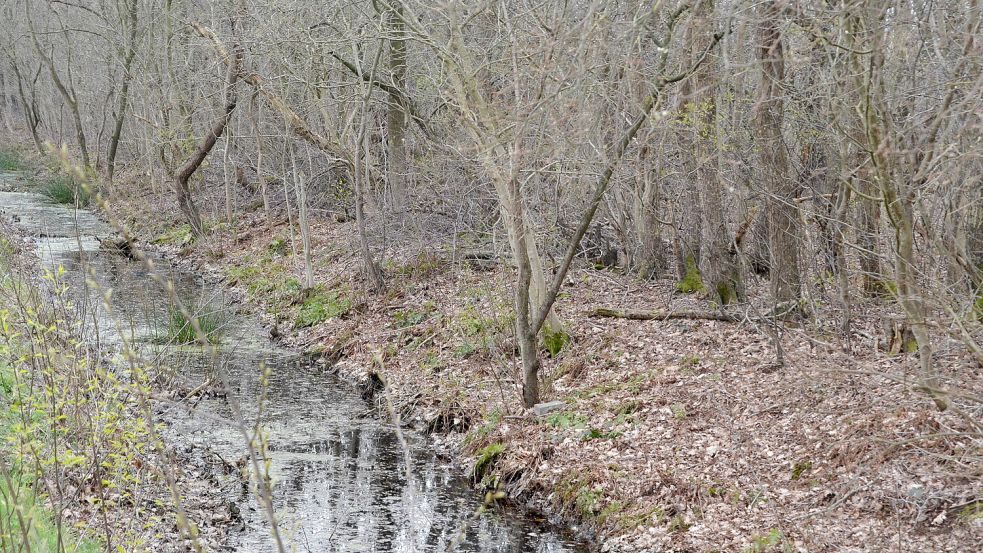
(339,480)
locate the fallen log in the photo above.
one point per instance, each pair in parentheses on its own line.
(663,315)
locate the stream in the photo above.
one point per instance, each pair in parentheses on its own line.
(339,477)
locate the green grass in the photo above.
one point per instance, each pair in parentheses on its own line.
(181,331)
(10,161)
(65,190)
(321,307)
(42,534)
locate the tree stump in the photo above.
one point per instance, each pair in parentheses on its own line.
(898,337)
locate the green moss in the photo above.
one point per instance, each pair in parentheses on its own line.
(692,283)
(726,293)
(972,512)
(486,458)
(978,309)
(555,341)
(910,346)
(321,307)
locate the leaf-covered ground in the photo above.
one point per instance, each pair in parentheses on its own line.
(675,436)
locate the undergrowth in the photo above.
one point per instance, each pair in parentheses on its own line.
(320,307)
(180,329)
(65,190)
(66,456)
(10,161)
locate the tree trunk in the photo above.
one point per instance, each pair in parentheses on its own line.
(396,112)
(300,189)
(257,119)
(124,94)
(688,250)
(183,174)
(362,177)
(67,95)
(721,272)
(782,210)
(868,240)
(30,107)
(651,259)
(973,223)
(898,186)
(372,271)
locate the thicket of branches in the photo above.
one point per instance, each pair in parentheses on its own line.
(830,147)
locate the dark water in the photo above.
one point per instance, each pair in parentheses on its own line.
(338,472)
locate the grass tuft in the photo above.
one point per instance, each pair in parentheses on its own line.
(181,331)
(65,190)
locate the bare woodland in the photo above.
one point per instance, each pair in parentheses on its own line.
(810,168)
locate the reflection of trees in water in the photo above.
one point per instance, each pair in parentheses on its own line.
(340,482)
(137,302)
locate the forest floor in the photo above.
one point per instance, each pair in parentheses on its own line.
(675,435)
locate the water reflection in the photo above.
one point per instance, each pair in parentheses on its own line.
(339,483)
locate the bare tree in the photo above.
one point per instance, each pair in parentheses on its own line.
(782,210)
